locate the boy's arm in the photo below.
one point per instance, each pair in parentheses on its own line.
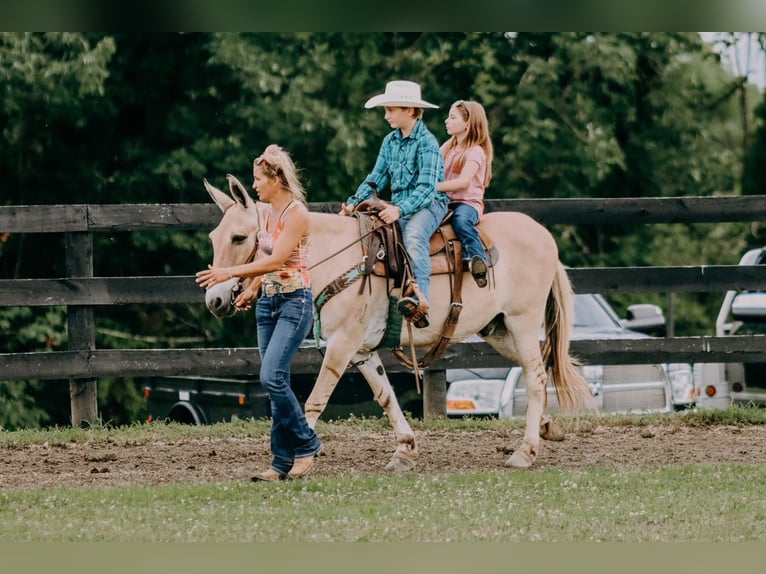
(379,176)
(430,172)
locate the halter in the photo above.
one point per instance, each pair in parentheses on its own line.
(237,288)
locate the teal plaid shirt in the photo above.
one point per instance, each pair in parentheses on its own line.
(410,167)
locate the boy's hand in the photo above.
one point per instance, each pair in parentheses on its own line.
(346,209)
(390,214)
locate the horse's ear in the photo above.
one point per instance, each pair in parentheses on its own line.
(238,192)
(220,198)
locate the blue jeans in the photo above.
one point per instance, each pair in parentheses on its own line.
(464,220)
(417,230)
(284,321)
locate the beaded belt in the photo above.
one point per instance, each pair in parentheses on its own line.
(271,289)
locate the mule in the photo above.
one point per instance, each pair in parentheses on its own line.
(530,290)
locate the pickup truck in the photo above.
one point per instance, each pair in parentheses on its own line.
(500,392)
(741,313)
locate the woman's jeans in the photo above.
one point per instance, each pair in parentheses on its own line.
(464,220)
(417,230)
(284,321)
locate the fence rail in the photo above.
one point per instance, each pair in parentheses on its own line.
(83,293)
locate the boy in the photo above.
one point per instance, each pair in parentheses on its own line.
(410,163)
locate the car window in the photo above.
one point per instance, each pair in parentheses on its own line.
(592,311)
(747,328)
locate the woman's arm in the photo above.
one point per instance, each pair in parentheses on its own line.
(296,225)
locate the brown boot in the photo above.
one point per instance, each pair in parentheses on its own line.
(478,270)
(301,466)
(414,307)
(268,475)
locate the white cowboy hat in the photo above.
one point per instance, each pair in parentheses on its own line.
(399,93)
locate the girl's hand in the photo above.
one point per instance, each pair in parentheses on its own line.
(213,275)
(346,209)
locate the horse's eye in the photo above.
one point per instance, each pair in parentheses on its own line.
(237,239)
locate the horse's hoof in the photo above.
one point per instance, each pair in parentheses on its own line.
(401,463)
(518,460)
(551,431)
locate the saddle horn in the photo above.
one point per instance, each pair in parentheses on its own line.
(373,204)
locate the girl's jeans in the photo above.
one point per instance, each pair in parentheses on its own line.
(417,230)
(284,321)
(464,220)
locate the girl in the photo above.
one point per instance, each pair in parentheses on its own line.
(467,172)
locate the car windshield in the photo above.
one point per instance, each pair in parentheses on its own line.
(592,312)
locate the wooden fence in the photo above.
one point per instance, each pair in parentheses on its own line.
(83,293)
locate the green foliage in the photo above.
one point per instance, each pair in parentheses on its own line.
(143,117)
(18,408)
(122,401)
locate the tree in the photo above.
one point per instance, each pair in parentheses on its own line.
(143,118)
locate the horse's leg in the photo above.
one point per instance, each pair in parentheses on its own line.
(525,333)
(337,356)
(550,429)
(403,458)
(519,342)
(504,345)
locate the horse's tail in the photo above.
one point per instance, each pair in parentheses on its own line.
(571,388)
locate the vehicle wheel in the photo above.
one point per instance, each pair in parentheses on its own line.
(186,413)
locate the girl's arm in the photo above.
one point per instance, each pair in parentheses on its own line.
(463,180)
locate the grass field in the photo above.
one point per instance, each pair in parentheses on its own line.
(710,503)
(707,503)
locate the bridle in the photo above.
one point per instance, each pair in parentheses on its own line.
(238,286)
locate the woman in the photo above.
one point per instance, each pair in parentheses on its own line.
(284,310)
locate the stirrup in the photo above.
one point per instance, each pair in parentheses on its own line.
(478,270)
(409,307)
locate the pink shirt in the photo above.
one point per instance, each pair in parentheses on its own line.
(473,194)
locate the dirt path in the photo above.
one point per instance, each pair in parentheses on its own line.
(351,451)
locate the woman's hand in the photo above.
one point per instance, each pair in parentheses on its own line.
(244,300)
(213,275)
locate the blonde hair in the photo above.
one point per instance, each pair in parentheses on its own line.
(478,134)
(277,163)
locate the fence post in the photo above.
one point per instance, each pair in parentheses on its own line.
(81,328)
(434,394)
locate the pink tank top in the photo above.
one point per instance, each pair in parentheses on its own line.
(294,272)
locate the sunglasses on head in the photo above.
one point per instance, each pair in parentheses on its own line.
(260,160)
(462,104)
(270,166)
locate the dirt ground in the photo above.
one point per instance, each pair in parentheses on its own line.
(354,452)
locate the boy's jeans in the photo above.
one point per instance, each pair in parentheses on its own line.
(417,230)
